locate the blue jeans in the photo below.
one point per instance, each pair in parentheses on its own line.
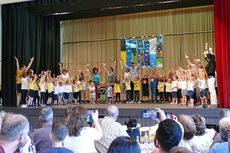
(153,93)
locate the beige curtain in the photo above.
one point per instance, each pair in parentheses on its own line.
(195,19)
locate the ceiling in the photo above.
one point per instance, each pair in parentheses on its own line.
(2,2)
(78,9)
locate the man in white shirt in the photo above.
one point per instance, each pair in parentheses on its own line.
(110,129)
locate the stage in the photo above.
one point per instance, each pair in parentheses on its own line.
(126,111)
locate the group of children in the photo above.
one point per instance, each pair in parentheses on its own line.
(178,86)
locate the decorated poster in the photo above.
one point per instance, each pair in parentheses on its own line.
(159,52)
(149,53)
(123,56)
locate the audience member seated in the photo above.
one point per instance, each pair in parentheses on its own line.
(58,134)
(179,150)
(224,128)
(124,145)
(41,137)
(223,114)
(81,137)
(168,135)
(14,134)
(189,140)
(202,136)
(132,130)
(110,129)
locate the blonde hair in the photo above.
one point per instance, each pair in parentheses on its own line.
(224,128)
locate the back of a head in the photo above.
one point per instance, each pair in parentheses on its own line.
(168,134)
(112,111)
(46,115)
(124,145)
(188,125)
(77,120)
(59,132)
(224,128)
(200,124)
(13,126)
(179,150)
(132,123)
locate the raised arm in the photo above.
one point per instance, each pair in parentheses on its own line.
(31,61)
(60,69)
(101,69)
(114,67)
(89,70)
(104,67)
(17,63)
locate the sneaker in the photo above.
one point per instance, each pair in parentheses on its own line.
(23,106)
(139,102)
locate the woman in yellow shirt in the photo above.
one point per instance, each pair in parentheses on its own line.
(19,73)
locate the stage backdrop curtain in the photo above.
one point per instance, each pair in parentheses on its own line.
(222,41)
(77,55)
(27,35)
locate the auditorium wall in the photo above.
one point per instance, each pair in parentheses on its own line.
(186,20)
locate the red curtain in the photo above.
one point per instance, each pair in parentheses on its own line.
(222,50)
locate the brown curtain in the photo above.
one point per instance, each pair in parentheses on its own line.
(195,19)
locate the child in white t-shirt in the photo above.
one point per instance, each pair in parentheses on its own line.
(92,91)
(184,92)
(174,90)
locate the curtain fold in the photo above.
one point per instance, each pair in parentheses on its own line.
(222,40)
(26,35)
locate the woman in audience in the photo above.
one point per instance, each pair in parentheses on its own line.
(224,131)
(223,114)
(189,140)
(81,137)
(202,136)
(221,147)
(132,130)
(124,145)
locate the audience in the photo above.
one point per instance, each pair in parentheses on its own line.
(41,137)
(168,135)
(189,140)
(81,137)
(132,131)
(202,136)
(179,150)
(224,129)
(110,129)
(58,134)
(188,134)
(124,145)
(14,134)
(222,147)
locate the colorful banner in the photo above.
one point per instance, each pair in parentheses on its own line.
(152,50)
(159,50)
(123,56)
(149,53)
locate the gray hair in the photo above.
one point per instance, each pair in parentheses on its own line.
(46,115)
(224,128)
(112,111)
(13,126)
